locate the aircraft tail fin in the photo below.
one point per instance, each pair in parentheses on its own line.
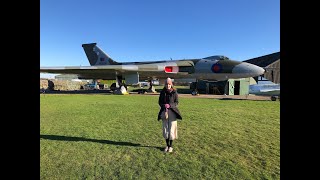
(96,56)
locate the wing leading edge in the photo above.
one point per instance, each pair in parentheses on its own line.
(110,71)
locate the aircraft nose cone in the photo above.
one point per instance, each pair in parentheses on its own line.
(248,69)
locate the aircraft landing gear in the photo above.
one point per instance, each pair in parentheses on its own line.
(120,90)
(274,98)
(119,87)
(195,91)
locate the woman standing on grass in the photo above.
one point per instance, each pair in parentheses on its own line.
(169,113)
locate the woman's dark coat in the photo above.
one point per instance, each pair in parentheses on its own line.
(169,98)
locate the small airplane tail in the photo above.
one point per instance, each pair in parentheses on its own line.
(96,56)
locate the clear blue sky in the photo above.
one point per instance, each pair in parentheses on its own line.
(144,30)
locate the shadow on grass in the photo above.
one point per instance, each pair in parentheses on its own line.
(232,99)
(102,91)
(117,143)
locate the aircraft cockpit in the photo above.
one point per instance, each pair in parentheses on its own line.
(217,57)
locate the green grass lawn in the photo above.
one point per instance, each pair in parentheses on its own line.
(119,137)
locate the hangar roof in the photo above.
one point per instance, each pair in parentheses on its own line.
(264,61)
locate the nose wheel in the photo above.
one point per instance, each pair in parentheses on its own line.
(195,93)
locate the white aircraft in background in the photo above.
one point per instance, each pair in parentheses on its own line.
(272,90)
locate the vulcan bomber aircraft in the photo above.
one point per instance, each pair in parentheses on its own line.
(102,66)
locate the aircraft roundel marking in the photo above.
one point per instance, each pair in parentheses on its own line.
(216,68)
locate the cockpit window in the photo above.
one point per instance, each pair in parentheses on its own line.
(217,57)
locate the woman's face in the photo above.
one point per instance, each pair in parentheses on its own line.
(168,86)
